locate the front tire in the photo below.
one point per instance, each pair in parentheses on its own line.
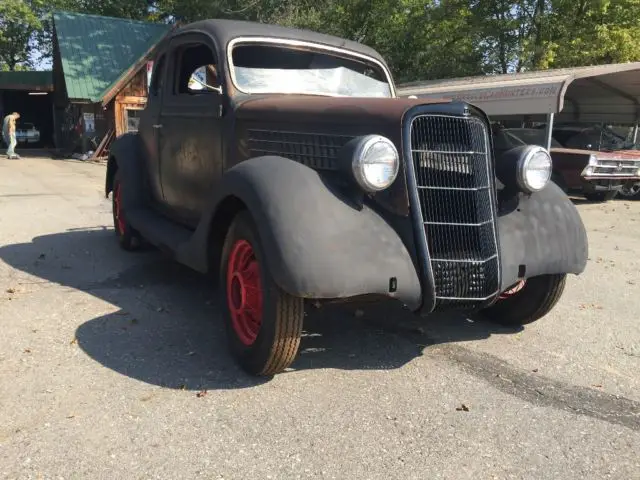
(263,323)
(535,299)
(630,192)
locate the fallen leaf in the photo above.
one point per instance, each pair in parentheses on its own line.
(41,256)
(462,408)
(201,393)
(11,290)
(597,386)
(73,342)
(535,370)
(71,416)
(27,350)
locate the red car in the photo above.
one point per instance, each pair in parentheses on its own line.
(598,175)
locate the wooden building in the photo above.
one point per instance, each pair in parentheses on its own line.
(100,73)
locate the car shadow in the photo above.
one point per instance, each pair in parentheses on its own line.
(167,329)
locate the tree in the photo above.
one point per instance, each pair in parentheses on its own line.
(600,31)
(19,22)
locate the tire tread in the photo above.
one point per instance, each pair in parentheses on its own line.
(289,316)
(529,305)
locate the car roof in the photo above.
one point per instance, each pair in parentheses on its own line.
(226,30)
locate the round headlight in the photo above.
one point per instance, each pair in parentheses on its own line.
(375,163)
(534,169)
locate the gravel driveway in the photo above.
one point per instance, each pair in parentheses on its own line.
(113,365)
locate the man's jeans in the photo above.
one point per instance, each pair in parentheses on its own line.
(11,142)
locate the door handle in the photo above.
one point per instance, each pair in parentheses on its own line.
(157,125)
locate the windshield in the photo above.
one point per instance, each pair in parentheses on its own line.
(277,69)
(596,137)
(532,136)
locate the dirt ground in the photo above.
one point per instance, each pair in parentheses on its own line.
(114,365)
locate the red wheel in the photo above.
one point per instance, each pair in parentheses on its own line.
(244,292)
(263,323)
(117,209)
(128,238)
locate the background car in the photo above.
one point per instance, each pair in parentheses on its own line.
(598,175)
(27,133)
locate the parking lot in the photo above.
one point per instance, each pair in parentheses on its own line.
(114,365)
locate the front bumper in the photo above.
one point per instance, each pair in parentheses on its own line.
(606,184)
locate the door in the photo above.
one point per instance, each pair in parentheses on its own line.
(191,123)
(148,127)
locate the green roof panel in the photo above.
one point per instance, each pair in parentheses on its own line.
(97,51)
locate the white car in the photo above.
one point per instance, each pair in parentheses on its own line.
(27,133)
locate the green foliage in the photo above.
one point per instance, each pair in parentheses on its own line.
(19,22)
(421,39)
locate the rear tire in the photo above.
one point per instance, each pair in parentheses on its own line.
(263,323)
(128,238)
(535,300)
(600,196)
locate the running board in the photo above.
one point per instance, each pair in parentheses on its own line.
(162,233)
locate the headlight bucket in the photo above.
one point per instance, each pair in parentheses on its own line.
(526,168)
(374,162)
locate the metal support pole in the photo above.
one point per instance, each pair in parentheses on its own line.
(549,130)
(635,133)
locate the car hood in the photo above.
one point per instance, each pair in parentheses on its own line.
(328,111)
(310,127)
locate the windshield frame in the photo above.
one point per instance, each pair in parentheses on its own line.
(303,45)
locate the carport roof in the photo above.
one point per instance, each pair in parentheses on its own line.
(29,80)
(97,52)
(609,92)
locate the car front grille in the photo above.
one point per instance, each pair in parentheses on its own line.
(622,168)
(455,191)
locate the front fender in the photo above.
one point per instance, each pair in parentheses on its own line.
(318,244)
(543,234)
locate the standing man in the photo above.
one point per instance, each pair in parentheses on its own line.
(9,133)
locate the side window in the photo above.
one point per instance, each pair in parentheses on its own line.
(197,71)
(157,77)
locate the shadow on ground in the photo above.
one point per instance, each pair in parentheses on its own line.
(167,330)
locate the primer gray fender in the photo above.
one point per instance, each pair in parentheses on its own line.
(545,234)
(318,244)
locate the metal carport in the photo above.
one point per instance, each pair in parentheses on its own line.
(596,94)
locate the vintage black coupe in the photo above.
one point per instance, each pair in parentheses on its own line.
(282,161)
